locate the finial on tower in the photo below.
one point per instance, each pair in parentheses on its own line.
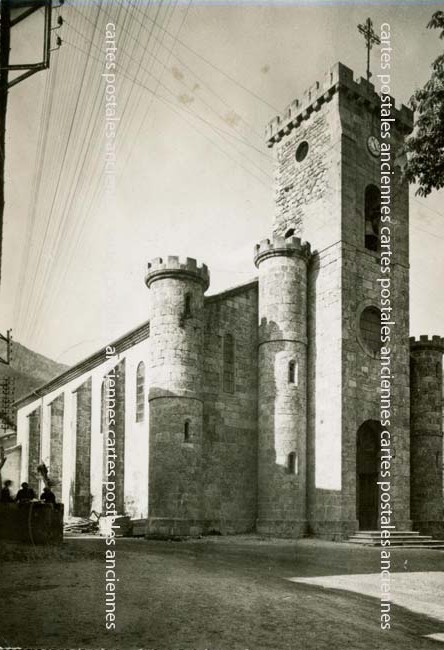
(370,37)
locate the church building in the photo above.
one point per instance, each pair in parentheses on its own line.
(259,408)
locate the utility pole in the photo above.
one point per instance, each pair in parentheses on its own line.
(5,46)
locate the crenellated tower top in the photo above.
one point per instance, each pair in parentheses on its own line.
(281,246)
(339,78)
(424,342)
(173,267)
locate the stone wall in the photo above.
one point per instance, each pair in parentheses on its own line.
(82,479)
(300,184)
(324,384)
(229,446)
(427,434)
(57,407)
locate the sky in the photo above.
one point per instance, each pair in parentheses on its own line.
(196,84)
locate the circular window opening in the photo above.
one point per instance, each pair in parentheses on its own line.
(302,151)
(370,329)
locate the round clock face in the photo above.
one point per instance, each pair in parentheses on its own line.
(373,146)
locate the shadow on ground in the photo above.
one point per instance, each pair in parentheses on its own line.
(221,593)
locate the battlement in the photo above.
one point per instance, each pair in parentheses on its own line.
(338,78)
(424,342)
(173,267)
(281,246)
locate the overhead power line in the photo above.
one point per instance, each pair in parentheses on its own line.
(218,69)
(202,84)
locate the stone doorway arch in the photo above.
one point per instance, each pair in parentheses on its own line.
(368,447)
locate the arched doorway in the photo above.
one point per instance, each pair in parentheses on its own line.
(368,445)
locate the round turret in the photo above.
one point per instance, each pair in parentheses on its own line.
(282,356)
(175,365)
(282,265)
(176,325)
(426,422)
(172,267)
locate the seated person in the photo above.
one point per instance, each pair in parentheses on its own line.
(47,495)
(5,495)
(25,494)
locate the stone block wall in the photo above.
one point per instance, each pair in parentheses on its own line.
(82,479)
(361,378)
(324,385)
(301,183)
(307,191)
(57,407)
(427,434)
(175,474)
(229,438)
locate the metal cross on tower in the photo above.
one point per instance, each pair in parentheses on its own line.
(370,38)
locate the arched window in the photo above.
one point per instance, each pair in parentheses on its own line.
(291,463)
(228,357)
(370,329)
(140,392)
(372,217)
(186,431)
(293,373)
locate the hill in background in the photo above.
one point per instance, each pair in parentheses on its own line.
(29,371)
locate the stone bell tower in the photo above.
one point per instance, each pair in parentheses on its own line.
(328,192)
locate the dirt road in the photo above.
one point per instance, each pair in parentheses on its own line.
(214,594)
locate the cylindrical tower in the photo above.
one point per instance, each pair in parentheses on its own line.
(426,423)
(282,411)
(176,298)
